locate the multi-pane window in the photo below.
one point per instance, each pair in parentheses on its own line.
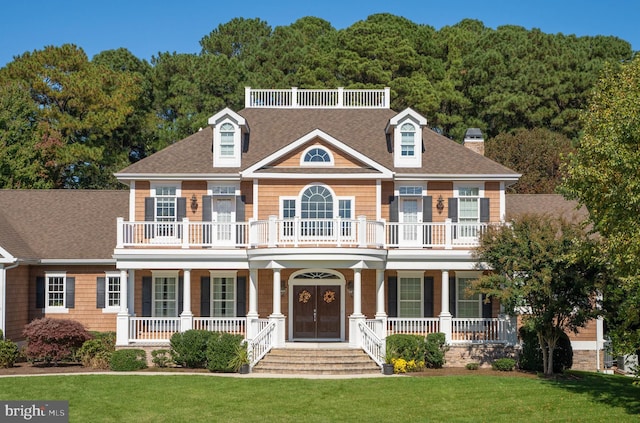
(223,297)
(316,208)
(469,210)
(165,209)
(345,212)
(112,291)
(288,213)
(468,304)
(55,290)
(317,155)
(410,297)
(165,297)
(227,140)
(407,141)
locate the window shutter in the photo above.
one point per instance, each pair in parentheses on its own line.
(393,209)
(452,295)
(392,296)
(146,296)
(453,209)
(100,292)
(149,216)
(427,208)
(205,296)
(428,296)
(181,208)
(180,295)
(241,296)
(484,210)
(240,211)
(71,293)
(40,292)
(207,214)
(487,310)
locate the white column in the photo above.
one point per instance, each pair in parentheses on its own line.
(131,304)
(277,311)
(3,300)
(445,315)
(357,317)
(252,315)
(122,320)
(186,317)
(277,315)
(380,298)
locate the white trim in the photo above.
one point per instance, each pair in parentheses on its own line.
(178,177)
(6,257)
(107,308)
(220,160)
(414,160)
(256,195)
(378,199)
(164,274)
(503,202)
(317,133)
(405,114)
(132,201)
(410,274)
(55,309)
(233,274)
(304,163)
(225,114)
(448,177)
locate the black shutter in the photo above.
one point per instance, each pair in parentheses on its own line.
(452,295)
(100,292)
(240,211)
(241,296)
(486,308)
(180,295)
(181,208)
(484,210)
(40,292)
(205,296)
(146,296)
(428,296)
(392,296)
(453,209)
(149,216)
(207,216)
(393,217)
(427,208)
(71,293)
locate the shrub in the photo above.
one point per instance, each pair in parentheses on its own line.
(221,349)
(1,335)
(160,358)
(504,364)
(54,340)
(189,349)
(97,352)
(435,350)
(128,360)
(472,366)
(408,347)
(531,355)
(9,353)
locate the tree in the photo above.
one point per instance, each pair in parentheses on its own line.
(537,154)
(543,269)
(603,175)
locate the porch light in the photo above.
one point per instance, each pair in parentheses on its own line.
(194,203)
(350,287)
(440,204)
(283,288)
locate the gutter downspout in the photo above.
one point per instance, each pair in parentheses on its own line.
(3,296)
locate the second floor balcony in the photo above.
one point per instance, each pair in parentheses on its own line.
(274,233)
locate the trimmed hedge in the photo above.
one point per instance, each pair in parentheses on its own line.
(436,348)
(407,347)
(531,354)
(97,352)
(128,360)
(9,353)
(189,349)
(221,350)
(503,364)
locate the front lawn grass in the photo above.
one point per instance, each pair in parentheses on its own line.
(202,398)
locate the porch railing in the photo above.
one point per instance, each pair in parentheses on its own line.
(339,98)
(296,232)
(234,325)
(371,343)
(490,330)
(262,343)
(152,329)
(413,326)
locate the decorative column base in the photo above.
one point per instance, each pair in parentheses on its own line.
(355,340)
(252,326)
(122,329)
(446,326)
(280,336)
(186,321)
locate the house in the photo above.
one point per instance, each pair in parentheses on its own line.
(309,215)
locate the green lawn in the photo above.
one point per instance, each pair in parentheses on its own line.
(194,398)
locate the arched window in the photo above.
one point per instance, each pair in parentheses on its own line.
(317,203)
(317,155)
(408,144)
(226,140)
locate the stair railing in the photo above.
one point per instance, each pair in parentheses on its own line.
(372,344)
(261,344)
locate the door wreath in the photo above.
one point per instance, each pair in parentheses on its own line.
(329,296)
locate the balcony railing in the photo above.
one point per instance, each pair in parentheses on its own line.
(296,98)
(361,233)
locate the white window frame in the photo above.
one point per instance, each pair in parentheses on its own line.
(112,308)
(402,277)
(408,146)
(55,309)
(220,160)
(468,232)
(162,275)
(401,160)
(461,275)
(233,275)
(331,161)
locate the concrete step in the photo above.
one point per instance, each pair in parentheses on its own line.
(316,361)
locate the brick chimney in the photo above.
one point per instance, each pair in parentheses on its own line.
(474,140)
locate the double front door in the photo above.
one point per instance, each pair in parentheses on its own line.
(316,312)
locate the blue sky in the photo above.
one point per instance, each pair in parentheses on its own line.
(147,27)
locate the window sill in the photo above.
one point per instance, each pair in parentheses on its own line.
(56,310)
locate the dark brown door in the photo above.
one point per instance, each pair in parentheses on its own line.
(316,312)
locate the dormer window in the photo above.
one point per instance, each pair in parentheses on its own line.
(227,140)
(316,156)
(408,140)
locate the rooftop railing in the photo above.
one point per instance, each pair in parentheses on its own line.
(296,98)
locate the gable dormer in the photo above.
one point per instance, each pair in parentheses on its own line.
(405,130)
(228,129)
